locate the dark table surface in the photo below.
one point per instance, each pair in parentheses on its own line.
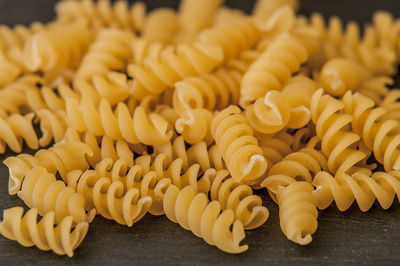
(342,238)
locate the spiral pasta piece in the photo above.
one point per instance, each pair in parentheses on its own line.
(237,197)
(124,199)
(149,129)
(62,158)
(276,148)
(173,65)
(104,13)
(391,103)
(289,108)
(213,91)
(107,53)
(298,212)
(297,166)
(332,128)
(62,47)
(42,191)
(381,136)
(61,239)
(234,37)
(237,145)
(273,68)
(142,49)
(361,187)
(52,126)
(9,71)
(194,212)
(194,125)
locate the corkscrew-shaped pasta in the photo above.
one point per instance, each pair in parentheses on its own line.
(234,37)
(346,42)
(16,128)
(149,129)
(44,192)
(213,91)
(361,187)
(104,13)
(392,105)
(194,212)
(106,148)
(62,158)
(52,126)
(174,64)
(198,153)
(124,199)
(238,197)
(273,68)
(106,53)
(9,71)
(268,7)
(298,212)
(297,166)
(161,26)
(237,145)
(289,108)
(58,46)
(112,202)
(381,136)
(283,19)
(332,128)
(62,239)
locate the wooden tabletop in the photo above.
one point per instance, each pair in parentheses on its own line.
(352,237)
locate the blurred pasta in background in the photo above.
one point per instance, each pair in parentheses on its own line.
(194,113)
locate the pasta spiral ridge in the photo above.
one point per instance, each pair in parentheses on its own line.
(173,65)
(297,166)
(194,212)
(238,146)
(161,26)
(331,128)
(381,136)
(28,232)
(298,212)
(361,187)
(273,68)
(104,13)
(42,191)
(149,129)
(62,158)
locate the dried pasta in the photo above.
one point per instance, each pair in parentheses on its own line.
(187,112)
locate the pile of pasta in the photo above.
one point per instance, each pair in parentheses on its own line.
(186,113)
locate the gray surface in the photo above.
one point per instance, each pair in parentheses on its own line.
(342,238)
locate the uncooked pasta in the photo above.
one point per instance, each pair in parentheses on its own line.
(195,114)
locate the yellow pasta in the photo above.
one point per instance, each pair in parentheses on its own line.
(61,239)
(273,68)
(42,191)
(161,26)
(298,212)
(362,187)
(194,212)
(173,65)
(62,158)
(103,14)
(237,145)
(380,136)
(331,128)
